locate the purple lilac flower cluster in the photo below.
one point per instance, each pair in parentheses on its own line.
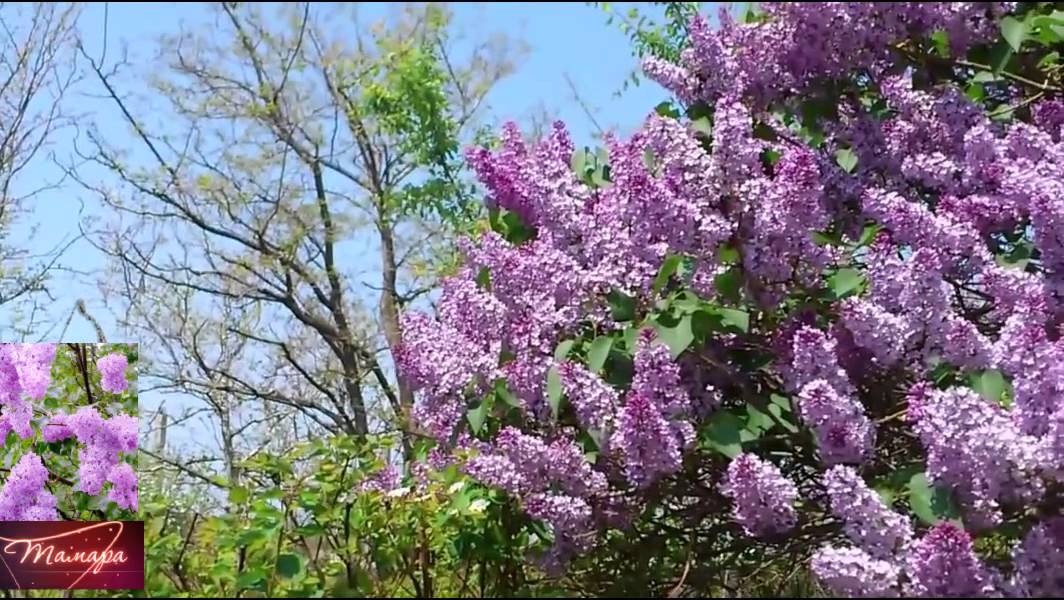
(950,189)
(25,378)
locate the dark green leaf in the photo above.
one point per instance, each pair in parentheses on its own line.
(289,565)
(599,352)
(722,434)
(484,279)
(554,391)
(728,255)
(1000,55)
(729,284)
(503,393)
(251,579)
(668,267)
(622,306)
(667,109)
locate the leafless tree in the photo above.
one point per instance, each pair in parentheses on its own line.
(265,247)
(37,67)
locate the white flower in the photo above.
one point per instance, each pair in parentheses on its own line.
(478,506)
(456,487)
(398,492)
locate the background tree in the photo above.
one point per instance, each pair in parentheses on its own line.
(37,67)
(297,189)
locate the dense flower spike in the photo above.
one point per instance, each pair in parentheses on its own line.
(881,216)
(762,498)
(843,432)
(102,442)
(24,496)
(25,373)
(1039,561)
(853,573)
(113,372)
(123,486)
(943,563)
(872,526)
(975,448)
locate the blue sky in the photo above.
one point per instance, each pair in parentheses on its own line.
(562,39)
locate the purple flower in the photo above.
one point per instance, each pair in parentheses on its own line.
(762,498)
(875,528)
(843,432)
(943,563)
(853,573)
(113,372)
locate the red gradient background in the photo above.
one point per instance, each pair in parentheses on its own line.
(20,572)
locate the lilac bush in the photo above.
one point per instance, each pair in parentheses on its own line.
(814,310)
(67,434)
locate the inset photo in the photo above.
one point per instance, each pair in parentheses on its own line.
(68,423)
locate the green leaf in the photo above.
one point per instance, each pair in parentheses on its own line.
(941,41)
(886,494)
(650,161)
(668,267)
(736,319)
(667,109)
(289,565)
(484,279)
(1000,55)
(677,337)
(728,255)
(931,504)
(516,231)
(844,282)
(722,434)
(563,349)
(554,391)
(238,494)
(579,162)
(1014,31)
(599,352)
(1049,59)
(846,159)
(503,393)
(729,284)
(702,125)
(251,579)
(869,233)
(992,385)
(757,420)
(622,306)
(477,416)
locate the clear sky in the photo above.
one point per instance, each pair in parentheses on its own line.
(562,39)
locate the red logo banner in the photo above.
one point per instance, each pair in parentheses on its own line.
(72,555)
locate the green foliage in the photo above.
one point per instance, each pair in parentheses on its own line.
(402,95)
(300,526)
